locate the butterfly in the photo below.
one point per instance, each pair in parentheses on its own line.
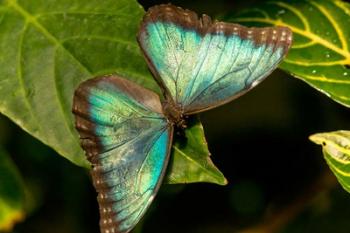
(127,131)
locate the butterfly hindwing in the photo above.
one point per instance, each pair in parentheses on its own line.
(202,64)
(127,139)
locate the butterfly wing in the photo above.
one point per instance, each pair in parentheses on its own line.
(202,64)
(127,139)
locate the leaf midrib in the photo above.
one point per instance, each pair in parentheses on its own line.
(32,20)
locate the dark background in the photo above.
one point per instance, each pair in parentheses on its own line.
(278,180)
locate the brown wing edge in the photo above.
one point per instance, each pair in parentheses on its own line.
(204,25)
(108,223)
(279,36)
(86,127)
(92,145)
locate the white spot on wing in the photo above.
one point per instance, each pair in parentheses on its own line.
(256,82)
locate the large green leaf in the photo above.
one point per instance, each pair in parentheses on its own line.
(11,193)
(191,154)
(336,150)
(320,54)
(49,47)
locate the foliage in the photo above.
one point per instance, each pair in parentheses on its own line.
(320,56)
(49,48)
(191,154)
(320,53)
(336,150)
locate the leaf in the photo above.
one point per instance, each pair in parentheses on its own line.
(336,151)
(191,158)
(49,47)
(11,194)
(320,52)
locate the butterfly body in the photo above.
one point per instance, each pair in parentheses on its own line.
(127,130)
(174,114)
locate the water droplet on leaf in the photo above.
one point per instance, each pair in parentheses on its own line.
(281,12)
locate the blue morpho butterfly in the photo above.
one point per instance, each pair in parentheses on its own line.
(126,131)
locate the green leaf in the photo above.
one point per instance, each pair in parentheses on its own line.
(191,158)
(49,47)
(320,54)
(11,194)
(336,151)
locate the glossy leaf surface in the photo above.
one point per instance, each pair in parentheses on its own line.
(190,153)
(320,53)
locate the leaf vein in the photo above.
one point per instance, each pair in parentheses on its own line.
(304,45)
(98,37)
(30,19)
(327,80)
(307,63)
(20,76)
(334,23)
(52,13)
(194,161)
(342,6)
(297,12)
(302,32)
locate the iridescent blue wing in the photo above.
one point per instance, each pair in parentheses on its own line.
(202,64)
(127,139)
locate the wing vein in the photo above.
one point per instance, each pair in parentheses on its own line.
(199,68)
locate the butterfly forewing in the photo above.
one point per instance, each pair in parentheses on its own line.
(202,64)
(127,139)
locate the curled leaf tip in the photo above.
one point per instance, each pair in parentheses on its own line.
(318,139)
